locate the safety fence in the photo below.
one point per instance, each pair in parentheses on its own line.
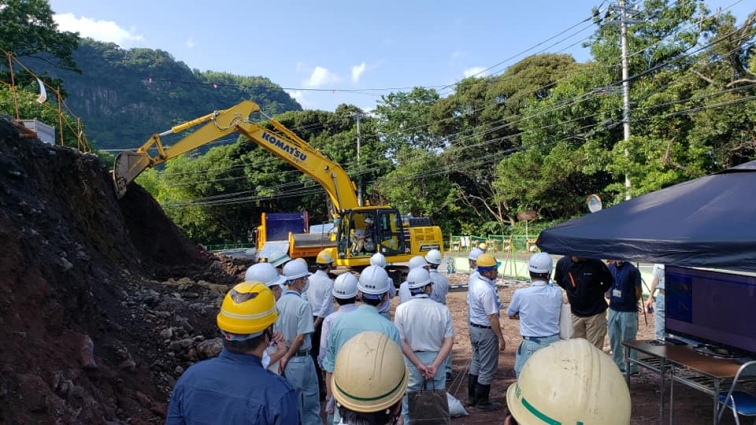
(221,247)
(494,243)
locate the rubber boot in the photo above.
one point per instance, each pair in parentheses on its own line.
(481,394)
(472,381)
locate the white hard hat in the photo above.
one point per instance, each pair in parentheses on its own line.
(417,261)
(370,374)
(540,263)
(474,254)
(373,281)
(418,278)
(345,286)
(295,270)
(592,390)
(277,258)
(378,259)
(265,273)
(433,256)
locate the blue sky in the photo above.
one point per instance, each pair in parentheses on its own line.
(322,51)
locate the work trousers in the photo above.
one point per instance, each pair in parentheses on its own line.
(528,347)
(592,328)
(660,311)
(315,351)
(485,354)
(300,372)
(416,379)
(623,326)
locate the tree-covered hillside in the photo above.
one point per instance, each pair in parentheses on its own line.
(125,96)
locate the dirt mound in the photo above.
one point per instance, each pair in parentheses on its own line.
(103,303)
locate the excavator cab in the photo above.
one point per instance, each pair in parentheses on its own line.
(363,232)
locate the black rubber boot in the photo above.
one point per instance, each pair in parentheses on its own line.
(481,394)
(472,381)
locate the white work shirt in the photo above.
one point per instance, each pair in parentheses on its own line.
(473,277)
(404,293)
(386,305)
(423,323)
(440,286)
(320,294)
(482,296)
(658,272)
(539,306)
(326,329)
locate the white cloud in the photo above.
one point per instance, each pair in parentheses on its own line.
(190,43)
(357,71)
(299,96)
(457,54)
(107,31)
(476,71)
(321,76)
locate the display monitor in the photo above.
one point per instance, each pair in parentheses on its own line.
(712,307)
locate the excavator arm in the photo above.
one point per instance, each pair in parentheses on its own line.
(281,142)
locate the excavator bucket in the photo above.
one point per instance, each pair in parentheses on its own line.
(128,165)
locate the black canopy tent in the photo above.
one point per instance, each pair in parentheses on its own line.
(706,222)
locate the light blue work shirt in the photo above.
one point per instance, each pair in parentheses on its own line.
(539,306)
(295,318)
(364,318)
(440,286)
(211,391)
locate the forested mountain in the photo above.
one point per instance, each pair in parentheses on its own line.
(125,96)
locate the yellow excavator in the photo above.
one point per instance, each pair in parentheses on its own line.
(361,231)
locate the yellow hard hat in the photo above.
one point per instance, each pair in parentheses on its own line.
(247,309)
(370,374)
(483,246)
(324,257)
(591,387)
(486,262)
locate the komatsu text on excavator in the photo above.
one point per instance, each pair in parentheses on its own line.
(360,230)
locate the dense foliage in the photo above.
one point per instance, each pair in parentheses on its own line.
(541,136)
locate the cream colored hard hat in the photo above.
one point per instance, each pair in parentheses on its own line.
(369,374)
(570,382)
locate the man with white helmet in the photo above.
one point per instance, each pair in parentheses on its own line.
(267,274)
(277,259)
(369,357)
(569,382)
(345,293)
(245,320)
(537,307)
(440,290)
(404,292)
(320,297)
(379,260)
(472,259)
(296,324)
(485,334)
(372,290)
(427,335)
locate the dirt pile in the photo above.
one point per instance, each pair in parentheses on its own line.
(103,303)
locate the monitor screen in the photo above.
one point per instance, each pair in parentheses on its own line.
(711,307)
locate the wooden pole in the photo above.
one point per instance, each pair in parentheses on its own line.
(13,82)
(60,116)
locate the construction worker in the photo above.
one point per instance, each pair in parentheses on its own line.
(585,280)
(296,324)
(369,357)
(440,289)
(267,274)
(569,382)
(485,334)
(379,260)
(472,258)
(623,310)
(537,307)
(345,293)
(320,297)
(404,292)
(372,290)
(483,247)
(427,336)
(245,320)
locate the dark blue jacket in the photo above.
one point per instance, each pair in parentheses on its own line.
(626,279)
(232,389)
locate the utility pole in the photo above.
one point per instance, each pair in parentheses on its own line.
(625,89)
(358,117)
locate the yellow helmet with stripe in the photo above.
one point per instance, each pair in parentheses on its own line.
(248,309)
